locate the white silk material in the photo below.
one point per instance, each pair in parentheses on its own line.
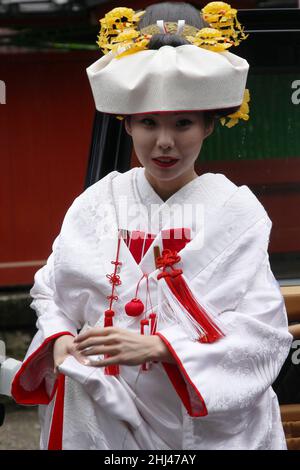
(225,265)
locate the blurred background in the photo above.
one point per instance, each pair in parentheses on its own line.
(53,145)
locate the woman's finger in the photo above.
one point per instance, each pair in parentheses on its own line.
(86,334)
(94,341)
(99,350)
(105,362)
(96,331)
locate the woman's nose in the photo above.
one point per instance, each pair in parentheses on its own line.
(165,139)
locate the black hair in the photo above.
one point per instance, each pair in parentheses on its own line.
(171,11)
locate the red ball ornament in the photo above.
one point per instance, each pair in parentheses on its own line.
(134,308)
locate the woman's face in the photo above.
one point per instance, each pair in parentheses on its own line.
(179,135)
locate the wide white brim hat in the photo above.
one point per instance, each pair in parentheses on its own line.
(183,78)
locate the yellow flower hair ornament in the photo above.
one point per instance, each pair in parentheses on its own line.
(242,113)
(222,17)
(118,32)
(210,39)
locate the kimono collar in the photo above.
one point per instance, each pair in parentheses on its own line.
(211,189)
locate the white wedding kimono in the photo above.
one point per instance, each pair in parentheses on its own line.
(218,395)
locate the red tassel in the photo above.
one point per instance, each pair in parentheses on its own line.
(108,318)
(112,369)
(153,323)
(182,292)
(152,317)
(144,323)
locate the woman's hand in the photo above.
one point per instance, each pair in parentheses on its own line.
(63,346)
(123,347)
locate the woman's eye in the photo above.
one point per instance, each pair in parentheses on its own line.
(184,122)
(147,121)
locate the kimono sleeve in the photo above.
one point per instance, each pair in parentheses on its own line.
(233,372)
(35,382)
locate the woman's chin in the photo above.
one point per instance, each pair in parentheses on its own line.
(164,174)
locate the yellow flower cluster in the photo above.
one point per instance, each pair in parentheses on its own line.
(211,39)
(118,21)
(221,16)
(119,34)
(242,113)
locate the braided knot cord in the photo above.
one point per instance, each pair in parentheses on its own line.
(168,258)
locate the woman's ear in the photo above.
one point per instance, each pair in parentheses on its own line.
(127,124)
(209,128)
